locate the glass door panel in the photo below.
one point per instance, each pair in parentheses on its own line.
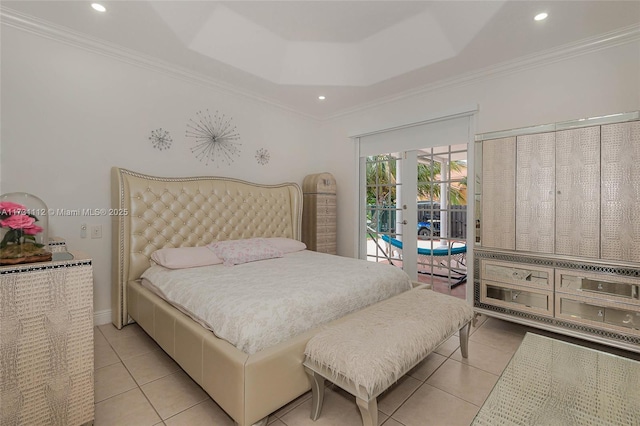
(442,218)
(382,208)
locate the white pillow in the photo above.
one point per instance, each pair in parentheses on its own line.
(286,245)
(235,252)
(185,257)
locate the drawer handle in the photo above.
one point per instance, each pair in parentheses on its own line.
(600,313)
(520,275)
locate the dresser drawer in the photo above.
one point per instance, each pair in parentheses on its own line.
(612,316)
(517,298)
(623,289)
(518,274)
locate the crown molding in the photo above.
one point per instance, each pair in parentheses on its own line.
(46,29)
(590,45)
(67,36)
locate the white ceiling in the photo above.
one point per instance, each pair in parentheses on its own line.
(353,52)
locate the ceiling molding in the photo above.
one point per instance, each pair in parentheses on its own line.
(64,35)
(69,37)
(590,45)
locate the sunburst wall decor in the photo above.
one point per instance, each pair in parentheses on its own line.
(215,138)
(262,156)
(160,139)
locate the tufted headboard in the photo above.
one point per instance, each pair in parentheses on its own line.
(150,213)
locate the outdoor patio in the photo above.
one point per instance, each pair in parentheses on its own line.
(439,277)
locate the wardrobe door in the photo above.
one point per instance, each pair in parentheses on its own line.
(498,193)
(578,192)
(620,207)
(535,193)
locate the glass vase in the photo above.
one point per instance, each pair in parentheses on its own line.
(24,229)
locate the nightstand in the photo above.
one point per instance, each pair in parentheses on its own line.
(46,342)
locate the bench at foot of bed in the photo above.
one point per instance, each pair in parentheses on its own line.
(370,351)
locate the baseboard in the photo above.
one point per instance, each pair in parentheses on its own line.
(102,317)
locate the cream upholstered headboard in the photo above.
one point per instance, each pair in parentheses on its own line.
(151,213)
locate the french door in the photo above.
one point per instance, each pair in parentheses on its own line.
(425,236)
(413,201)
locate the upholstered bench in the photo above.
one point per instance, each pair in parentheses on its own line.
(369,351)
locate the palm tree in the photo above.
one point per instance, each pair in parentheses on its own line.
(381,181)
(429,185)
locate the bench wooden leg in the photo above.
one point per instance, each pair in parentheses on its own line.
(317,393)
(369,411)
(464,339)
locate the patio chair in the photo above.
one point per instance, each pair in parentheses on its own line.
(451,257)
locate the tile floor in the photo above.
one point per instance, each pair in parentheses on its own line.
(136,383)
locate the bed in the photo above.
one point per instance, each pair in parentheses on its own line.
(152,213)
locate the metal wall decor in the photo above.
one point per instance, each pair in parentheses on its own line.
(262,156)
(215,138)
(160,139)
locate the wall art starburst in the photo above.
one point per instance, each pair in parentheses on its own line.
(160,139)
(262,156)
(215,138)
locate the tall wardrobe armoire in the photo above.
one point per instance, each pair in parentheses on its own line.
(558,207)
(319,225)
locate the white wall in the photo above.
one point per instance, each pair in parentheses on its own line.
(69,115)
(599,83)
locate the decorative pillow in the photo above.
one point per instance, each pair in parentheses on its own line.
(235,252)
(286,245)
(185,257)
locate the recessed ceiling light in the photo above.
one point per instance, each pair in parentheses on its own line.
(322,97)
(541,16)
(98,7)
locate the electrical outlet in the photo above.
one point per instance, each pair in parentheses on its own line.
(96,231)
(83,230)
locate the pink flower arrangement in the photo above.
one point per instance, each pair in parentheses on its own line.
(20,223)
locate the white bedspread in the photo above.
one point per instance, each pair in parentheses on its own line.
(259,304)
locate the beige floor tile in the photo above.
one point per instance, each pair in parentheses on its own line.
(293,404)
(430,406)
(129,347)
(392,398)
(110,332)
(151,366)
(112,380)
(499,339)
(98,337)
(277,422)
(430,364)
(485,358)
(391,422)
(129,408)
(104,355)
(463,381)
(502,325)
(449,346)
(339,409)
(173,394)
(207,413)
